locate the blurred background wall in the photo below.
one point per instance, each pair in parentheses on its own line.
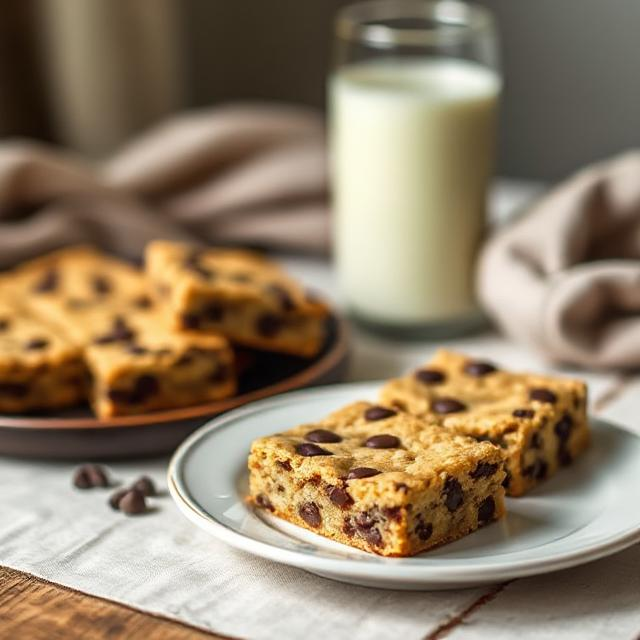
(90,73)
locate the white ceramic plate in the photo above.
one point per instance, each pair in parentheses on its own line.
(585,512)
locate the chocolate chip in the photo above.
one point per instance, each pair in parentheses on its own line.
(373,537)
(284,464)
(543,395)
(424,530)
(4,324)
(142,302)
(282,296)
(14,389)
(347,528)
(486,510)
(392,513)
(378,413)
(132,502)
(358,473)
(146,386)
(453,494)
(191,321)
(507,479)
(484,470)
(537,470)
(136,349)
(48,282)
(477,369)
(240,277)
(430,376)
(120,332)
(564,456)
(447,405)
(308,449)
(536,441)
(340,497)
(563,427)
(90,475)
(193,262)
(101,284)
(268,325)
(382,441)
(322,435)
(213,312)
(36,344)
(264,502)
(145,485)
(114,499)
(364,520)
(523,413)
(310,513)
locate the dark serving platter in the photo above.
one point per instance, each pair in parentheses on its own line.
(78,434)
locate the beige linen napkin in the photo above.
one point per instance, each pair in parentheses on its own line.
(248,174)
(565,277)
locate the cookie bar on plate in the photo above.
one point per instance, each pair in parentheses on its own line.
(539,421)
(242,295)
(136,360)
(39,367)
(378,479)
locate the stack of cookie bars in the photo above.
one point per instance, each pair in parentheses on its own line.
(77,324)
(427,465)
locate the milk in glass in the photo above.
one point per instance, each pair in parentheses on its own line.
(412,150)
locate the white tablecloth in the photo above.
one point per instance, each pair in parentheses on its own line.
(162,564)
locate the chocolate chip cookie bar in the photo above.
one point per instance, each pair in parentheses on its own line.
(39,367)
(240,294)
(136,361)
(379,480)
(540,422)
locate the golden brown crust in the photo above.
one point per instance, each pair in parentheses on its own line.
(500,406)
(243,295)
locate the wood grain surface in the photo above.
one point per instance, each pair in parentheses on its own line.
(38,610)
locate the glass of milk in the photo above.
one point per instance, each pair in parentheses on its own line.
(413,102)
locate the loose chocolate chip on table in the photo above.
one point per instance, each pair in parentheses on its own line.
(486,510)
(543,395)
(48,282)
(268,325)
(362,472)
(146,485)
(36,344)
(310,513)
(132,502)
(563,427)
(378,413)
(322,435)
(264,502)
(447,405)
(382,441)
(90,475)
(477,369)
(4,324)
(340,497)
(424,530)
(14,389)
(484,470)
(537,470)
(453,494)
(430,376)
(283,296)
(114,498)
(523,413)
(101,284)
(309,449)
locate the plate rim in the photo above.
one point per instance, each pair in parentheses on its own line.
(337,352)
(381,568)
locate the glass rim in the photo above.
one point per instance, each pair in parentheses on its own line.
(454,22)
